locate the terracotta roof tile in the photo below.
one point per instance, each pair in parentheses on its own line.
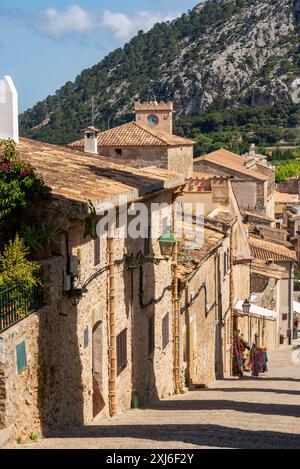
(229,160)
(81,178)
(282,197)
(135,135)
(265,250)
(190,259)
(206,176)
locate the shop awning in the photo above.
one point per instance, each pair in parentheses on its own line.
(257,311)
(296,306)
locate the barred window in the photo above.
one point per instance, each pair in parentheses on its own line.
(121,351)
(151,341)
(165,331)
(97,251)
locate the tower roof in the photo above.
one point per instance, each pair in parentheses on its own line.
(136,135)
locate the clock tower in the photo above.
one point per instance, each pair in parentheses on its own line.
(156,116)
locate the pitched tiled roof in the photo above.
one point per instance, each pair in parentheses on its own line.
(265,250)
(80,178)
(135,135)
(285,198)
(191,257)
(229,160)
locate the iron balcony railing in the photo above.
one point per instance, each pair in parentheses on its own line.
(18,302)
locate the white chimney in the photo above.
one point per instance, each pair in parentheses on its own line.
(9,120)
(252,151)
(91,140)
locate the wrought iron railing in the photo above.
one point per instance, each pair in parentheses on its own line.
(18,302)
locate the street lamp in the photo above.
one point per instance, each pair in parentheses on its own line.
(246,306)
(167,242)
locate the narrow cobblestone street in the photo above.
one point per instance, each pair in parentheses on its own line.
(234,413)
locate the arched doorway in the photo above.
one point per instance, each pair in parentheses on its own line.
(98,400)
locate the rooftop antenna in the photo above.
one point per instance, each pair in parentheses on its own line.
(93,111)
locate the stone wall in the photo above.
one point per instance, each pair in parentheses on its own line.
(65,382)
(250,193)
(180,160)
(202,354)
(292,186)
(177,159)
(157,156)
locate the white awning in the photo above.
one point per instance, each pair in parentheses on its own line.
(258,311)
(296,306)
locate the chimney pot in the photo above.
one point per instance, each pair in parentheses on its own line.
(91,140)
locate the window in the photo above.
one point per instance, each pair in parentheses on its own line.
(151,342)
(165,331)
(21,357)
(121,351)
(119,151)
(284,317)
(97,251)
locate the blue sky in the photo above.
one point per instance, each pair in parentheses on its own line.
(44,43)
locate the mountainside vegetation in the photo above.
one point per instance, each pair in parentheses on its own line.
(228,66)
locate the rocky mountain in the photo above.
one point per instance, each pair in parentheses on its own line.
(222,55)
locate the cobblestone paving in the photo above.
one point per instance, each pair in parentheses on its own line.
(234,413)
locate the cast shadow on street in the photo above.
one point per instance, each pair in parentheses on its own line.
(214,436)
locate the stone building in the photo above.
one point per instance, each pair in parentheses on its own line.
(214,282)
(272,283)
(104,336)
(147,141)
(253,182)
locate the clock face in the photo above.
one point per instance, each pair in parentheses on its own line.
(153,120)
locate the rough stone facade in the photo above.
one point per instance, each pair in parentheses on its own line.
(251,193)
(65,382)
(201,333)
(175,158)
(292,186)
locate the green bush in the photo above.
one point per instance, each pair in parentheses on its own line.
(15,267)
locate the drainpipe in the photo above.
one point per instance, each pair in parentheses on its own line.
(176,318)
(290,315)
(112,330)
(231,306)
(175,301)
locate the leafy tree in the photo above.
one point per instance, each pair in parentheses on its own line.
(15,267)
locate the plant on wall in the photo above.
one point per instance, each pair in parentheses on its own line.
(19,187)
(39,238)
(91,222)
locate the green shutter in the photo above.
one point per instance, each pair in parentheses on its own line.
(21,357)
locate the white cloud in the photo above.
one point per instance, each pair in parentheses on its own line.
(56,24)
(124,27)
